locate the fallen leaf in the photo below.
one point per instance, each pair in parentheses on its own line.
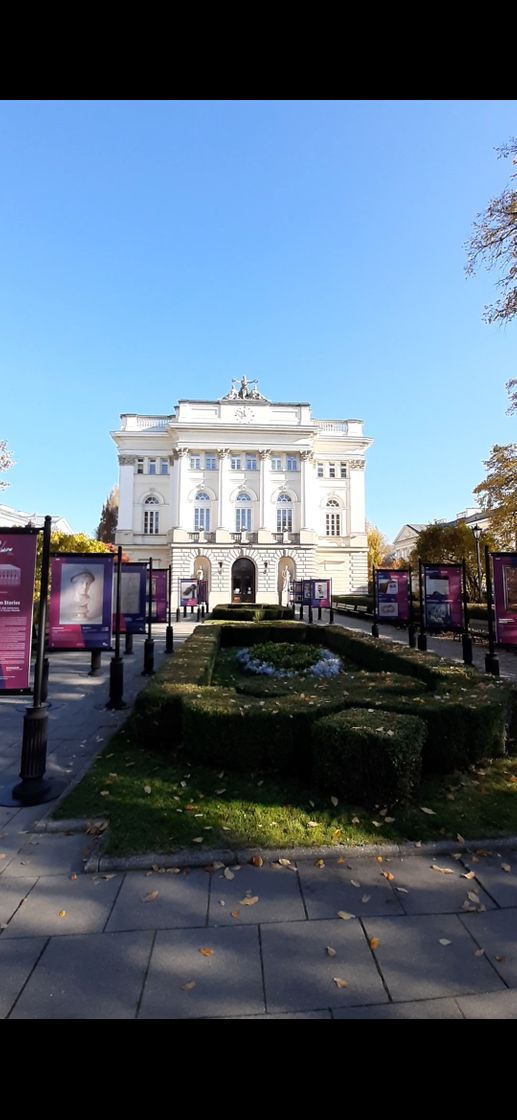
(479,952)
(257,861)
(207,952)
(377,824)
(373,942)
(356,820)
(473,896)
(188,986)
(249,901)
(500,959)
(148,789)
(506,867)
(151,896)
(442,870)
(219,792)
(228,874)
(73,875)
(334,801)
(330,952)
(402,890)
(197,839)
(366,898)
(430,812)
(468,875)
(341,859)
(173,870)
(284,862)
(62,914)
(460,838)
(319,863)
(339,982)
(445,941)
(222,902)
(389,876)
(216,866)
(355,883)
(105,792)
(312,824)
(345,915)
(235,913)
(378,859)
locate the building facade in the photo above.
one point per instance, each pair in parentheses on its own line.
(241,491)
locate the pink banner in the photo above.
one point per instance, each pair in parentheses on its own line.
(17,568)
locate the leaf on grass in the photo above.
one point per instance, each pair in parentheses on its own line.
(345,915)
(355,820)
(460,838)
(205,952)
(377,824)
(373,942)
(442,870)
(312,824)
(249,901)
(148,789)
(197,839)
(228,874)
(389,820)
(430,812)
(330,951)
(319,863)
(151,896)
(219,792)
(105,792)
(188,986)
(339,982)
(506,867)
(257,861)
(445,941)
(334,801)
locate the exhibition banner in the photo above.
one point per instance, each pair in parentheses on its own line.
(80,609)
(132,597)
(443,600)
(188,592)
(17,568)
(392,595)
(297,590)
(321,592)
(504,565)
(160,578)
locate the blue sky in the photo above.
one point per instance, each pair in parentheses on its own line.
(152,250)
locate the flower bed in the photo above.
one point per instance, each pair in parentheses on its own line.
(284,661)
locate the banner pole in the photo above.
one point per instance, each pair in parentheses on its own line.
(491,661)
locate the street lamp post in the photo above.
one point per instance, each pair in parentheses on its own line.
(477,530)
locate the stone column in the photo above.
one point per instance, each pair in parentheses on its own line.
(306,458)
(182,468)
(222,516)
(126,493)
(264,458)
(356,490)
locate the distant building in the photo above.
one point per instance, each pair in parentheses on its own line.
(241,490)
(407,537)
(10,518)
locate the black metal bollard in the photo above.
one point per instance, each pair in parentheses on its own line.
(422,642)
(319,614)
(129,643)
(411,633)
(331,615)
(198,615)
(177,614)
(148,668)
(33,787)
(492,664)
(375,630)
(169,640)
(192,609)
(310,613)
(466,642)
(185,611)
(96,666)
(116,684)
(301,612)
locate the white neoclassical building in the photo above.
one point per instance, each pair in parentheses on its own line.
(242,488)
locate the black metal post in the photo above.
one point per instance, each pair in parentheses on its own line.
(422,637)
(319,612)
(34,788)
(202,612)
(491,661)
(184,610)
(466,639)
(310,613)
(301,612)
(148,668)
(44,681)
(95,662)
(375,628)
(116,695)
(411,631)
(177,614)
(169,636)
(478,557)
(129,642)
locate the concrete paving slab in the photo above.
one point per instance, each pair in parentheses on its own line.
(276,888)
(491,1005)
(355,886)
(287,1015)
(17,959)
(497,874)
(181,901)
(183,983)
(12,892)
(434,891)
(89,977)
(420,1009)
(58,905)
(496,933)
(415,965)
(50,855)
(300,975)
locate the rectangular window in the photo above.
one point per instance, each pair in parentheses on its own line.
(342,470)
(251,462)
(319,470)
(284,520)
(243,520)
(202,520)
(164,466)
(140,466)
(210,463)
(151,521)
(235,463)
(292,463)
(276,463)
(332,470)
(152,466)
(333,524)
(195,462)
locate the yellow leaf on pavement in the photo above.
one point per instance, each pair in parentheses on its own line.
(188,986)
(345,915)
(62,913)
(443,870)
(330,952)
(339,982)
(389,876)
(319,863)
(151,896)
(207,952)
(374,941)
(249,901)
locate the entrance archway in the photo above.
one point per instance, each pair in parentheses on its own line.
(243,581)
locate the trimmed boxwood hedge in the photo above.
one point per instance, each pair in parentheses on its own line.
(369,757)
(252,612)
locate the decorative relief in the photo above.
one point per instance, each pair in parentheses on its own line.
(126,460)
(307,456)
(266,454)
(182,452)
(242,390)
(356,464)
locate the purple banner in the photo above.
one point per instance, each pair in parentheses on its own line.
(202,591)
(132,598)
(505,597)
(17,568)
(392,595)
(297,590)
(160,598)
(188,592)
(81,601)
(443,603)
(321,592)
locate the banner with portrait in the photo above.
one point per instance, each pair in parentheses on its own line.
(81,601)
(504,565)
(17,569)
(160,578)
(321,592)
(392,595)
(188,592)
(306,592)
(297,590)
(443,596)
(132,598)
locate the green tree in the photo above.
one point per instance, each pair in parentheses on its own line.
(378,547)
(498,494)
(109,516)
(6,461)
(449,544)
(494,244)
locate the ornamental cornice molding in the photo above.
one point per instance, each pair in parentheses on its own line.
(356,464)
(126,460)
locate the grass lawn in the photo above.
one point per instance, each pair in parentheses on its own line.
(159,804)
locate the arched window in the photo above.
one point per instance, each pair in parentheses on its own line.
(284,514)
(243,512)
(151,516)
(333,519)
(202,512)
